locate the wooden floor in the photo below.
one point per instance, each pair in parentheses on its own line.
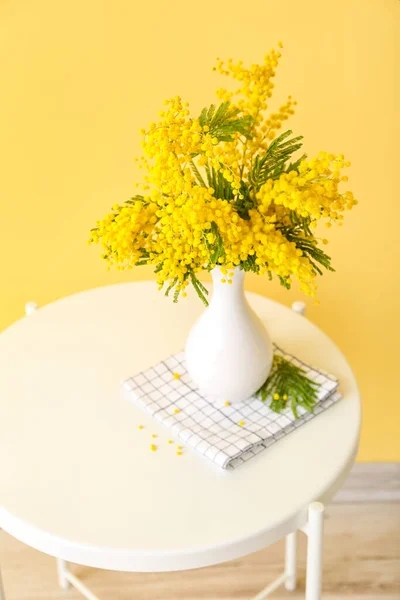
(362,561)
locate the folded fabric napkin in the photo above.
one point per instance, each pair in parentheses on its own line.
(227,435)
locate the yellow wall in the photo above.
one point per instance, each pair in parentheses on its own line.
(79,78)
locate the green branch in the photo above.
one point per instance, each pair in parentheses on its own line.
(223,122)
(287,385)
(272,163)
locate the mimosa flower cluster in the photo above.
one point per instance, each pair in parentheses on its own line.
(221,188)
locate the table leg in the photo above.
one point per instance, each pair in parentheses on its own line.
(290,561)
(66,578)
(315,531)
(62,569)
(2,594)
(288,578)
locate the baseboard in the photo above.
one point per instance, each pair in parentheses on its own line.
(371,482)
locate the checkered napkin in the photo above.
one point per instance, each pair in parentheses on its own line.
(214,430)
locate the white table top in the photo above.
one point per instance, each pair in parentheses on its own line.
(77,477)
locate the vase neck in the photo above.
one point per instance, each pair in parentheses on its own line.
(233,292)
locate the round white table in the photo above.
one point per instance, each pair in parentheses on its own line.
(77,477)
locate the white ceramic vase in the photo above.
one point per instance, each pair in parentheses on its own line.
(228,352)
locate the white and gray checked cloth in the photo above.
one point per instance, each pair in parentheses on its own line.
(214,430)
